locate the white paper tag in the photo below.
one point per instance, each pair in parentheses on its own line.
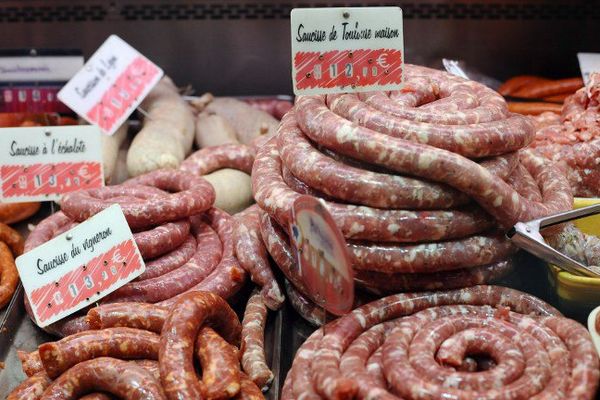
(80,266)
(346,49)
(43,163)
(588,63)
(39,68)
(111,85)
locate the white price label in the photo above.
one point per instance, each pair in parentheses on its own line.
(111,85)
(80,266)
(346,49)
(43,163)
(588,63)
(39,68)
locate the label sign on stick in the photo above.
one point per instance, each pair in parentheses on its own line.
(346,49)
(80,266)
(322,256)
(111,85)
(43,163)
(588,63)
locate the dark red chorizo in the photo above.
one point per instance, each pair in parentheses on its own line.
(30,362)
(179,335)
(31,388)
(124,380)
(122,343)
(220,365)
(249,390)
(133,315)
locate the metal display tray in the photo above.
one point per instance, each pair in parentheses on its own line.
(18,332)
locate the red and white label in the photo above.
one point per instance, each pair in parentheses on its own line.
(44,163)
(322,256)
(80,266)
(346,49)
(111,85)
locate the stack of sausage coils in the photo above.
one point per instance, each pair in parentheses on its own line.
(428,346)
(422,182)
(125,356)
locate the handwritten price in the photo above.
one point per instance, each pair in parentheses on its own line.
(48,179)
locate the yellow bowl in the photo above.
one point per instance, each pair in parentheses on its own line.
(572,289)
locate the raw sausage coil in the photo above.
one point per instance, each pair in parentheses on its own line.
(151,206)
(365,354)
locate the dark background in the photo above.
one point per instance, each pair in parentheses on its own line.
(241,47)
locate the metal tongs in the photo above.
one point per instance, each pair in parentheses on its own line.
(526,235)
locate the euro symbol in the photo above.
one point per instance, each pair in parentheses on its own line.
(382,60)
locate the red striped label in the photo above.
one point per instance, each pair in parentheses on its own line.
(124,95)
(49,179)
(348,68)
(91,280)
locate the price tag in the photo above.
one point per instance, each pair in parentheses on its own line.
(43,163)
(111,85)
(38,68)
(346,49)
(80,266)
(322,256)
(588,63)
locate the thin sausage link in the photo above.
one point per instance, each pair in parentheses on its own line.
(253,257)
(220,365)
(122,343)
(253,342)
